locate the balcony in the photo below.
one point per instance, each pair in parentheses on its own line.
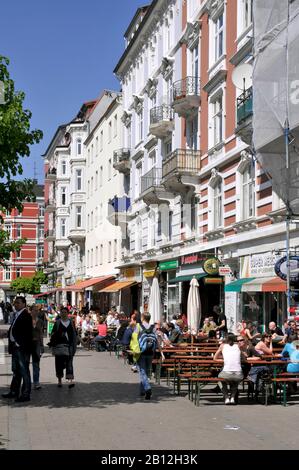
(50,235)
(186,96)
(121,160)
(77,235)
(62,244)
(244,116)
(118,209)
(161,121)
(51,175)
(50,205)
(180,169)
(152,191)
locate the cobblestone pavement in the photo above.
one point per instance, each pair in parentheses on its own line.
(104,411)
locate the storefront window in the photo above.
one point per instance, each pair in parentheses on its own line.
(252,308)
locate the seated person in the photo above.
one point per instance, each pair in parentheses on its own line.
(275,332)
(101,336)
(250,332)
(177,333)
(264,346)
(293,366)
(207,326)
(289,347)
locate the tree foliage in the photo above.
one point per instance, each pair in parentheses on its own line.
(15,140)
(29,285)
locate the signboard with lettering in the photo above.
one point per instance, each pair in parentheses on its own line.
(193,258)
(224,271)
(211,266)
(281,268)
(258,265)
(168,265)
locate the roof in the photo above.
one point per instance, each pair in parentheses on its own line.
(132,42)
(80,286)
(59,129)
(137,14)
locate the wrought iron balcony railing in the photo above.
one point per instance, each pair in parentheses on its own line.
(186,87)
(151,179)
(244,106)
(161,113)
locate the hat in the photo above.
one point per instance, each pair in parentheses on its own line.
(180,322)
(295,343)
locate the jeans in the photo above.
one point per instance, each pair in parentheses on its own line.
(20,361)
(35,361)
(100,341)
(144,364)
(255,371)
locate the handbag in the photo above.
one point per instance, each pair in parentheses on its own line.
(61,350)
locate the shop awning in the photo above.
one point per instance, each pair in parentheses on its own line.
(265,284)
(88,283)
(187,278)
(117,286)
(236,286)
(257,284)
(44,294)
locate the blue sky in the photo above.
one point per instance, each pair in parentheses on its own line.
(62,53)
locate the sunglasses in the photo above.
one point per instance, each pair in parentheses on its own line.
(240,340)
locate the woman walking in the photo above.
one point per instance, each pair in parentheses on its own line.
(37,344)
(64,342)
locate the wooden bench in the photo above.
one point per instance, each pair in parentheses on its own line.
(200,382)
(284,381)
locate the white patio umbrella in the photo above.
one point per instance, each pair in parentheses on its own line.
(154,305)
(194,306)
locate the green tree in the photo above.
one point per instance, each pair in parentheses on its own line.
(15,140)
(29,285)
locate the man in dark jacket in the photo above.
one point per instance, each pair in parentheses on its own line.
(19,346)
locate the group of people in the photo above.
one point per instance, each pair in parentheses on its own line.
(240,355)
(25,342)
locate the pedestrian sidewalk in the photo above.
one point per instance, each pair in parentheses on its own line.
(104,411)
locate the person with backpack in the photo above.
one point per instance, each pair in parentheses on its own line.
(148,344)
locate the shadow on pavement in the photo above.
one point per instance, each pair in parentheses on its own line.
(94,395)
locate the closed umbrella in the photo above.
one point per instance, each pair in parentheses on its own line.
(194,306)
(154,305)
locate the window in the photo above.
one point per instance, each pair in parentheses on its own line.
(19,254)
(78,180)
(88,222)
(140,125)
(101,140)
(182,216)
(170,217)
(129,136)
(195,62)
(40,251)
(63,228)
(167,148)
(63,196)
(109,131)
(101,254)
(41,211)
(91,258)
(217,120)
(18,272)
(101,213)
(152,158)
(79,146)
(88,188)
(88,157)
(96,181)
(159,225)
(247,13)
(91,220)
(79,216)
(63,167)
(109,252)
(88,258)
(8,229)
(97,256)
(152,230)
(97,146)
(115,250)
(19,231)
(138,235)
(193,224)
(101,176)
(218,205)
(7,271)
(248,193)
(41,231)
(109,169)
(138,179)
(91,154)
(115,126)
(219,31)
(192,132)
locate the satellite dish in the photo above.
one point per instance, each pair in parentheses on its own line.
(242,76)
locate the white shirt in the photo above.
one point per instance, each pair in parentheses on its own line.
(232,358)
(17,314)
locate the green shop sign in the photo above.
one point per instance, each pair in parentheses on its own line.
(168,265)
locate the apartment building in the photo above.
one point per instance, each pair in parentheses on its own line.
(199,198)
(28,224)
(65,192)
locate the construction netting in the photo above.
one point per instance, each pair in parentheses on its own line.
(276,94)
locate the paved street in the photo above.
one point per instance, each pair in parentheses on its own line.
(104,411)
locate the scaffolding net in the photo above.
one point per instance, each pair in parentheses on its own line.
(276,95)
